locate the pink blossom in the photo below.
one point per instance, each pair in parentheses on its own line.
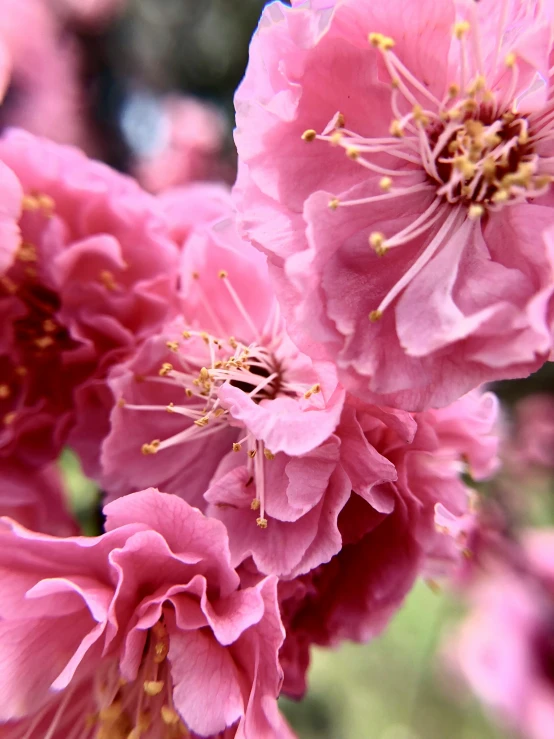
(505,648)
(398,536)
(533,442)
(150,613)
(86,12)
(188,145)
(35,499)
(406,228)
(94,275)
(40,71)
(222,401)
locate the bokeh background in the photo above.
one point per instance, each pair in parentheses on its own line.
(154,83)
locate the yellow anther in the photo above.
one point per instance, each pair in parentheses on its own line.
(232,342)
(340,121)
(542,181)
(186,334)
(121,403)
(336,137)
(419,115)
(222,274)
(27,252)
(165,369)
(380,41)
(523,137)
(377,242)
(252,453)
(5,391)
(313,390)
(150,448)
(352,152)
(375,315)
(395,83)
(169,716)
(475,211)
(30,203)
(510,59)
(478,85)
(46,203)
(269,455)
(195,275)
(172,345)
(433,586)
(334,203)
(470,105)
(204,421)
(255,505)
(500,196)
(218,412)
(107,279)
(262,523)
(460,29)
(395,129)
(492,140)
(43,342)
(188,392)
(309,135)
(464,166)
(385,183)
(236,447)
(170,408)
(153,687)
(204,375)
(205,337)
(49,326)
(9,418)
(453,90)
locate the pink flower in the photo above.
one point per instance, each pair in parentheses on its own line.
(94,275)
(406,229)
(10,212)
(151,613)
(41,74)
(388,543)
(187,147)
(222,401)
(533,442)
(35,499)
(505,648)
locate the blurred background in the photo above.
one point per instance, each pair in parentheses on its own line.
(147,86)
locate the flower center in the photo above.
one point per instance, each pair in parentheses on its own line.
(476,152)
(130,710)
(201,364)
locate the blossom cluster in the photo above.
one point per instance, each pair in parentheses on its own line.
(278,387)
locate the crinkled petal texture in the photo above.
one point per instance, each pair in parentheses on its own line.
(153,600)
(222,409)
(94,275)
(401,468)
(461,300)
(504,649)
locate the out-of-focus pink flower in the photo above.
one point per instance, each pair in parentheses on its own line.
(406,229)
(505,648)
(222,401)
(86,12)
(40,71)
(11,198)
(187,147)
(388,543)
(35,499)
(150,613)
(94,275)
(533,441)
